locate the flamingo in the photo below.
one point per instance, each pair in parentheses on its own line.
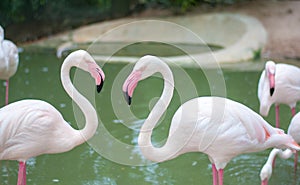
(9,60)
(293,130)
(278,84)
(29,128)
(216,126)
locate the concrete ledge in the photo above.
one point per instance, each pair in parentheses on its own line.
(239,35)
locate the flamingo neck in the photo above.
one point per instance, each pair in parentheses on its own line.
(266,171)
(2,57)
(287,153)
(144,140)
(272,156)
(85,106)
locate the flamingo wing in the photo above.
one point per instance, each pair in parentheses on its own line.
(255,125)
(209,118)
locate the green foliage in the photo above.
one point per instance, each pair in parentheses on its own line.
(184,5)
(181,6)
(221,1)
(16,11)
(20,10)
(257,54)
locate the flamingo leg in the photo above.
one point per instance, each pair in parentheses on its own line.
(1,166)
(293,111)
(22,173)
(6,92)
(215,174)
(277,116)
(296,161)
(220,175)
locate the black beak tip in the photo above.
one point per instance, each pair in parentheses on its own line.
(272,91)
(127,98)
(99,87)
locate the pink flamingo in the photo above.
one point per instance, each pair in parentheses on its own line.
(279,84)
(216,126)
(30,128)
(294,131)
(9,60)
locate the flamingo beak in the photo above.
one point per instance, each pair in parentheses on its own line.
(127,98)
(97,73)
(264,182)
(272,83)
(294,146)
(130,84)
(99,87)
(272,91)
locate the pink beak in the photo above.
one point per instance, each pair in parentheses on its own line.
(272,83)
(264,182)
(130,84)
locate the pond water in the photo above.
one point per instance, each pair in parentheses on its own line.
(140,48)
(92,164)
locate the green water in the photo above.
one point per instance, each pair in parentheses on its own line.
(38,77)
(142,48)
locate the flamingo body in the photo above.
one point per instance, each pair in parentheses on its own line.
(25,127)
(239,131)
(216,126)
(294,128)
(29,128)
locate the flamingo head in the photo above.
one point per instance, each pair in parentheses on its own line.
(88,64)
(145,67)
(283,141)
(265,174)
(270,72)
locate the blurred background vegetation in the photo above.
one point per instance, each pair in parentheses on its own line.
(27,20)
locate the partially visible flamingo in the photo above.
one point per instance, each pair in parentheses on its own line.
(216,126)
(9,60)
(29,128)
(279,84)
(294,131)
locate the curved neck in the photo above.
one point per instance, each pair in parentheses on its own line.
(272,156)
(282,154)
(88,110)
(1,49)
(287,153)
(144,140)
